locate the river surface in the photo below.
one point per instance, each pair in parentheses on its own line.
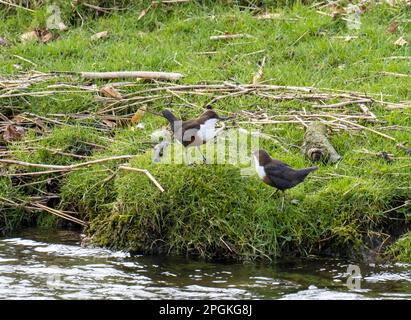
(52,265)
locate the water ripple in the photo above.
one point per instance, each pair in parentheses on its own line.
(35,267)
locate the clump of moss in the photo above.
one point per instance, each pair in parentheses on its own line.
(207,210)
(88,191)
(11,217)
(68,141)
(401,249)
(213,211)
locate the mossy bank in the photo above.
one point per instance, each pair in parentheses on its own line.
(216,212)
(358,207)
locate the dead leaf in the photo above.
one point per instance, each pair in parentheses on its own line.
(29,36)
(257,77)
(401,42)
(46,36)
(99,35)
(138,115)
(393,27)
(18,119)
(109,91)
(143,13)
(38,35)
(337,11)
(40,123)
(109,123)
(259,74)
(13,133)
(3,42)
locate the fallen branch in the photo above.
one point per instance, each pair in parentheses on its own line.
(63,168)
(229,36)
(367,112)
(301,121)
(24,59)
(173,1)
(101,9)
(33,206)
(16,205)
(316,145)
(404,147)
(342,104)
(406,203)
(109,178)
(271,137)
(232,94)
(146,172)
(397,57)
(170,76)
(36,173)
(389,157)
(59,213)
(365,128)
(15,5)
(394,74)
(59,152)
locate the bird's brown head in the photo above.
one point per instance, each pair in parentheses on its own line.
(262,156)
(211,114)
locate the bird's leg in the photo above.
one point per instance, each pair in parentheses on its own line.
(282,204)
(275,192)
(204,158)
(186,156)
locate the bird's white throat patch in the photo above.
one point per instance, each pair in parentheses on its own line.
(258,168)
(207,130)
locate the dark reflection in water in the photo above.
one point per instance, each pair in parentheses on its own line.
(52,265)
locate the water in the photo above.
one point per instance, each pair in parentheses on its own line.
(53,265)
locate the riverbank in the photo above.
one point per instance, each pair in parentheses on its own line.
(356,208)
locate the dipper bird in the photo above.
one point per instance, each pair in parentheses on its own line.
(195,132)
(277,173)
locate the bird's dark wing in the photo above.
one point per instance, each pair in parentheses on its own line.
(281,175)
(279,163)
(280,170)
(191,124)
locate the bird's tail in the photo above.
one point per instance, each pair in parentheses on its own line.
(169,116)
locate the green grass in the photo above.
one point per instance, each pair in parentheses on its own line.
(11,218)
(336,214)
(401,250)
